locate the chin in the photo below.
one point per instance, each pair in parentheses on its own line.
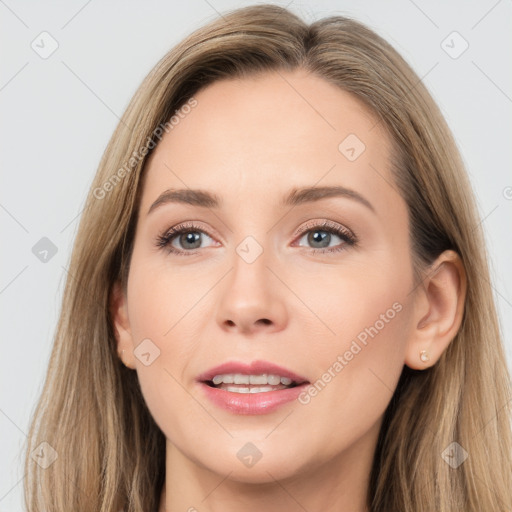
(261,473)
(248,464)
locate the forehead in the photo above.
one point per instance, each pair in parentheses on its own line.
(270,132)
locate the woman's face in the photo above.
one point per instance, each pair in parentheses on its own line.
(316,282)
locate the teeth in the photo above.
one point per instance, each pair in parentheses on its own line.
(218,379)
(264,389)
(238,378)
(258,379)
(241,379)
(274,380)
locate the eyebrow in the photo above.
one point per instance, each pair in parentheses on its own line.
(295,197)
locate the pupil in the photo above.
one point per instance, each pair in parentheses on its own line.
(191,238)
(316,237)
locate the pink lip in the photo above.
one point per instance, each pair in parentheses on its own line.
(254,368)
(249,403)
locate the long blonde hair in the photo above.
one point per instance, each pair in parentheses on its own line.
(111,454)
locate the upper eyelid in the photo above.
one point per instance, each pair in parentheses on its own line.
(311,224)
(319,224)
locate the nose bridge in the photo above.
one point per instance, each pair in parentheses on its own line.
(249,279)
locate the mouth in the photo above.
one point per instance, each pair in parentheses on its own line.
(256,388)
(255,377)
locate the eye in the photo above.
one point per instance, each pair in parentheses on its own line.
(321,235)
(187,236)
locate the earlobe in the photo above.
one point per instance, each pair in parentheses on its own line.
(121,324)
(438,311)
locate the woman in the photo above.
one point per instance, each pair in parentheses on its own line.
(328,342)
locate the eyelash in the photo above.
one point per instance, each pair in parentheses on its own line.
(164,240)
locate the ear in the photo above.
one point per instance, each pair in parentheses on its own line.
(119,313)
(438,311)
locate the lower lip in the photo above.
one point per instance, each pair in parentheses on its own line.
(252,403)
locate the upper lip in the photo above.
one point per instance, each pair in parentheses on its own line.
(253,368)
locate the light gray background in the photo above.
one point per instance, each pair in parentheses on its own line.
(58,114)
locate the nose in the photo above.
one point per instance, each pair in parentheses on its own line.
(252,298)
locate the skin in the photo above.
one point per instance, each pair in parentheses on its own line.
(250,141)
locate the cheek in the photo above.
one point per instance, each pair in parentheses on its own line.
(357,364)
(160,296)
(372,319)
(153,309)
(365,305)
